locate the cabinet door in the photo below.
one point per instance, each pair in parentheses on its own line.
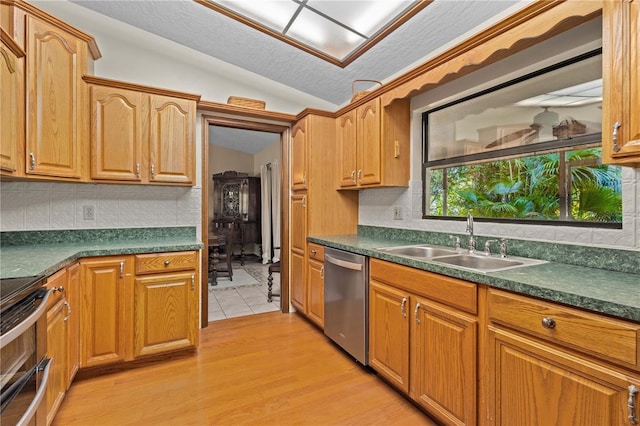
(73,322)
(389,334)
(299,135)
(166,313)
(535,384)
(57,347)
(368,130)
(11,111)
(298,282)
(346,136)
(172,140)
(443,362)
(316,292)
(621,82)
(118,120)
(299,222)
(55,62)
(105,329)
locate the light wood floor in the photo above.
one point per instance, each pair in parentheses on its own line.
(266,369)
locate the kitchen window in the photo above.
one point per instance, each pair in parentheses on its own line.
(528,150)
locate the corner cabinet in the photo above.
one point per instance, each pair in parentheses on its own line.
(621,82)
(139,135)
(423,338)
(373,145)
(552,365)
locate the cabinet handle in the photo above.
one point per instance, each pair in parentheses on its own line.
(616,126)
(167,262)
(32,164)
(322,272)
(122,269)
(304,201)
(360,176)
(314,252)
(403,307)
(59,289)
(153,171)
(193,282)
(68,310)
(548,322)
(633,391)
(353,176)
(138,170)
(415,313)
(304,179)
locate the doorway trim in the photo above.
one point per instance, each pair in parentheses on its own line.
(284,129)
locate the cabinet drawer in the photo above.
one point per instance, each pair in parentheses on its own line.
(613,340)
(166,262)
(449,291)
(316,252)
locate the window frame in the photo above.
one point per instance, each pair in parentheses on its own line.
(559,146)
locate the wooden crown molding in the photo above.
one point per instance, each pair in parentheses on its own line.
(314,111)
(340,63)
(90,79)
(245,112)
(41,14)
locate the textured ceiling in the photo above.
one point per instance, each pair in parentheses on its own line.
(195,26)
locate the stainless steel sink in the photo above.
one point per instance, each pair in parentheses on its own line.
(480,263)
(420,251)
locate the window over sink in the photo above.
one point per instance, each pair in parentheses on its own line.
(528,150)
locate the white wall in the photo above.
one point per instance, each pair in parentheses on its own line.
(376,205)
(268,155)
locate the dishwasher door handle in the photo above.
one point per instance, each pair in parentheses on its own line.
(343,263)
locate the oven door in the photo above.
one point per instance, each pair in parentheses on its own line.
(24,371)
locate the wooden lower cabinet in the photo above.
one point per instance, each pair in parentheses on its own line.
(106,310)
(298,282)
(57,342)
(315,287)
(534,383)
(165,303)
(73,322)
(426,349)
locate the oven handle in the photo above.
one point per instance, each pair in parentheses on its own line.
(343,263)
(42,390)
(9,336)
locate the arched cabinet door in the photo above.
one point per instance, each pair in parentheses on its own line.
(171,157)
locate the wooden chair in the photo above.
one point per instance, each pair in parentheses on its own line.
(274,267)
(225,256)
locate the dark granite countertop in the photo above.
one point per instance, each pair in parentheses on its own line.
(598,290)
(27,254)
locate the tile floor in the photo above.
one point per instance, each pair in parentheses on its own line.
(248,300)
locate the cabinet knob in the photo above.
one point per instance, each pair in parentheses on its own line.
(548,322)
(58,289)
(167,262)
(314,252)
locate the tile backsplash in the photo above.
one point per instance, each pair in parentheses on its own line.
(26,206)
(377,205)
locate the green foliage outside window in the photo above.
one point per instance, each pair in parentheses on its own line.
(562,186)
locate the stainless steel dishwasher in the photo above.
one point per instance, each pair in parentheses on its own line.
(346,301)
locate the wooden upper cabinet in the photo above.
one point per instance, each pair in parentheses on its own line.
(299,136)
(118,118)
(368,143)
(621,82)
(141,134)
(11,107)
(347,151)
(56,61)
(172,140)
(374,145)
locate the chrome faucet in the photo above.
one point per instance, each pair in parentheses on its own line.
(503,247)
(487,248)
(472,241)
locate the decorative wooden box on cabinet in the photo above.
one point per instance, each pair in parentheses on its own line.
(11,107)
(141,134)
(621,82)
(423,338)
(373,145)
(553,365)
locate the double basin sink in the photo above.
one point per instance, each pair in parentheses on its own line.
(477,262)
